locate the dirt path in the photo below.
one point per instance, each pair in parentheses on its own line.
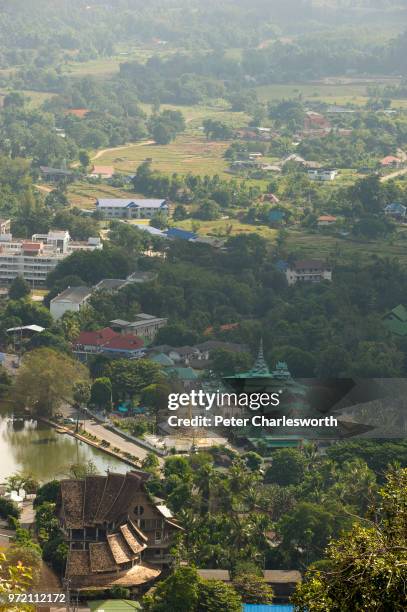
(393,175)
(44,188)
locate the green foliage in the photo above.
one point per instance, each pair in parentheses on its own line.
(101,393)
(93,266)
(184,591)
(165,126)
(8,508)
(253,589)
(41,388)
(350,582)
(287,467)
(19,289)
(48,492)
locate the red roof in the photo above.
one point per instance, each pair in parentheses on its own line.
(96,338)
(326,218)
(103,170)
(226,327)
(77,112)
(31,246)
(125,343)
(390,159)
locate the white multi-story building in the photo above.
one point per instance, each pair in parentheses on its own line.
(34,259)
(308,271)
(130,208)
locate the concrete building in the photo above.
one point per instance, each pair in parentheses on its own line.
(145,326)
(34,259)
(131,208)
(322,174)
(70,300)
(308,271)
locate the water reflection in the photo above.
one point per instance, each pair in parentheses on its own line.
(33,447)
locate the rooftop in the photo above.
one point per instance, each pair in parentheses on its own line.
(124,343)
(130,202)
(310,264)
(96,338)
(73,294)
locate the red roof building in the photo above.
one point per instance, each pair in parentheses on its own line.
(96,338)
(390,160)
(80,113)
(109,342)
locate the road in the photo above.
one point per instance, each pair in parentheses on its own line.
(393,175)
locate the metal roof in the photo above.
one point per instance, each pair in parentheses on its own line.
(129,202)
(73,294)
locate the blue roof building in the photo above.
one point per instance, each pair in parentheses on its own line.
(130,208)
(276,215)
(181,234)
(395,209)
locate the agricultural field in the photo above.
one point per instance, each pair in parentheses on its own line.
(312,244)
(188,153)
(331,91)
(84,195)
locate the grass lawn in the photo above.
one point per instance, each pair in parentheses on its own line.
(226,228)
(321,246)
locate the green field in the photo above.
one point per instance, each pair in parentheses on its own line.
(227,227)
(331,91)
(317,244)
(186,154)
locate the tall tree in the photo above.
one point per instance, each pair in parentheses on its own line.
(46,379)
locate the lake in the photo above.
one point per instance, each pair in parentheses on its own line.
(33,447)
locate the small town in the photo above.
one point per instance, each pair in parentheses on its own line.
(203,306)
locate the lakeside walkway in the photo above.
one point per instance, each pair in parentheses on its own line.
(97,429)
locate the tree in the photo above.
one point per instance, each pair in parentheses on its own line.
(184,591)
(8,508)
(48,492)
(81,393)
(84,159)
(227,363)
(253,589)
(14,578)
(216,130)
(19,289)
(287,467)
(216,596)
(306,530)
(208,211)
(21,480)
(101,393)
(366,566)
(178,593)
(253,460)
(180,213)
(46,379)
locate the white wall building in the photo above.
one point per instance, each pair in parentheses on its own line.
(131,208)
(322,175)
(308,271)
(72,300)
(34,259)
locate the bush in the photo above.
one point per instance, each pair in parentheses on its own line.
(8,509)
